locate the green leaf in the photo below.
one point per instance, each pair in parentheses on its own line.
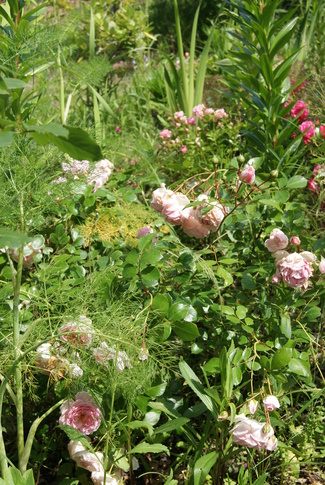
(283,37)
(150,257)
(182,311)
(145,241)
(195,384)
(14,477)
(296,182)
(299,367)
(53,128)
(202,467)
(139,425)
(248,282)
(187,331)
(13,83)
(160,304)
(286,325)
(13,239)
(6,138)
(266,68)
(281,358)
(5,15)
(261,479)
(150,276)
(149,448)
(225,275)
(171,425)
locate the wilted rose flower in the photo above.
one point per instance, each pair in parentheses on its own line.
(251,433)
(308,135)
(30,251)
(278,255)
(103,354)
(84,458)
(271,403)
(159,196)
(144,231)
(77,333)
(76,167)
(98,479)
(278,240)
(100,174)
(59,180)
(214,217)
(294,270)
(299,108)
(247,176)
(173,209)
(313,186)
(44,359)
(74,370)
(276,279)
(308,256)
(295,241)
(252,406)
(82,414)
(321,266)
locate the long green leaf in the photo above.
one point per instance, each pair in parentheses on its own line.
(283,37)
(199,86)
(149,448)
(102,102)
(190,99)
(31,12)
(203,466)
(181,52)
(6,16)
(194,382)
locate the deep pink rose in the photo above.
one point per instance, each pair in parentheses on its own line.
(308,135)
(313,186)
(299,108)
(322,130)
(247,176)
(82,414)
(294,270)
(191,120)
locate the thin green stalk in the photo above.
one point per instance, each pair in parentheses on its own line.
(31,435)
(62,107)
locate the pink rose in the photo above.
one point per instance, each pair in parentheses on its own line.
(278,240)
(144,231)
(251,433)
(165,134)
(183,149)
(299,108)
(179,115)
(252,406)
(77,333)
(271,403)
(220,113)
(321,266)
(247,176)
(313,186)
(309,126)
(159,196)
(209,111)
(295,241)
(294,270)
(322,130)
(214,217)
(191,120)
(82,414)
(199,110)
(194,227)
(173,209)
(84,458)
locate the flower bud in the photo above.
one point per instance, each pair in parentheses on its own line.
(271,403)
(223,416)
(274,173)
(295,241)
(252,406)
(247,176)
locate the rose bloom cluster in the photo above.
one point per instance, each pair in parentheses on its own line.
(194,221)
(183,123)
(295,268)
(300,112)
(252,433)
(98,176)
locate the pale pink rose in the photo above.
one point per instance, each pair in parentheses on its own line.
(278,255)
(173,209)
(247,176)
(144,231)
(183,149)
(321,266)
(165,134)
(209,111)
(294,270)
(187,54)
(159,196)
(252,406)
(194,227)
(272,444)
(271,403)
(251,433)
(220,113)
(92,462)
(82,414)
(214,217)
(307,127)
(308,256)
(199,110)
(103,354)
(77,333)
(278,240)
(179,115)
(299,108)
(98,478)
(295,241)
(276,279)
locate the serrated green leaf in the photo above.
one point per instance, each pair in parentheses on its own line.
(149,448)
